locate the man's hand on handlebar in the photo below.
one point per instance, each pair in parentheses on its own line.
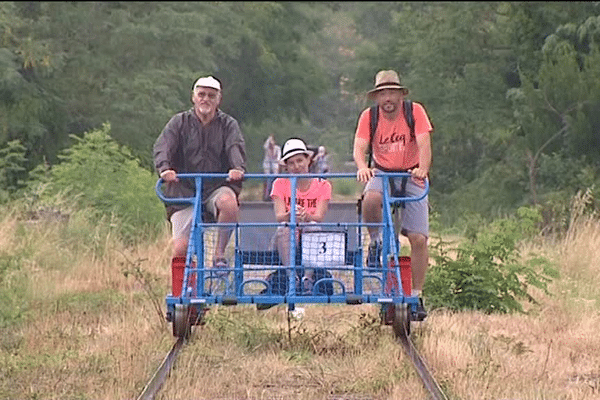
(418,173)
(418,176)
(235,175)
(364,174)
(169,175)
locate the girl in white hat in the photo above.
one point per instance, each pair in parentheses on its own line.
(312,195)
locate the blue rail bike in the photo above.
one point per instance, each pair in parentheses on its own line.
(327,259)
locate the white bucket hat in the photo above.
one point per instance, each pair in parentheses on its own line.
(293,147)
(209,82)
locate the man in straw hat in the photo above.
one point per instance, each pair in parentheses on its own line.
(396,149)
(202,139)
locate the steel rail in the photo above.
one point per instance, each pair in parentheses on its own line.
(420,366)
(161,374)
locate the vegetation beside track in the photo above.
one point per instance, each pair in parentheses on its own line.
(80,320)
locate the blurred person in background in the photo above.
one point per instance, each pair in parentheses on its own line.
(321,161)
(270,164)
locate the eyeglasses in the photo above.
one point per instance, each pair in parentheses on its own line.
(209,95)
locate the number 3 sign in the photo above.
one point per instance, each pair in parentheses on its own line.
(323,248)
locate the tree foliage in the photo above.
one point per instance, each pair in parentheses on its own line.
(556,110)
(134,64)
(12,170)
(511,87)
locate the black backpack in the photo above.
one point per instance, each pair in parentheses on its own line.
(407,106)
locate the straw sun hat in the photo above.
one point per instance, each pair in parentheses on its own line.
(387,80)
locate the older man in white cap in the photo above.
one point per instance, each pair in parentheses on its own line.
(396,146)
(202,139)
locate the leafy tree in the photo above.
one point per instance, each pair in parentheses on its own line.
(558,112)
(27,113)
(133,64)
(12,162)
(528,24)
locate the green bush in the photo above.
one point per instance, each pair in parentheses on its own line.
(488,273)
(99,175)
(12,286)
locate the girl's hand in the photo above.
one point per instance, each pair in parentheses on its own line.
(301,214)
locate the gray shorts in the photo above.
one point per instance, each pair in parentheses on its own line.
(181,221)
(415,214)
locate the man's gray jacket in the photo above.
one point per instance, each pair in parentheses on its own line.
(186,146)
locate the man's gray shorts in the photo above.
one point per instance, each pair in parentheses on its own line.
(181,221)
(415,214)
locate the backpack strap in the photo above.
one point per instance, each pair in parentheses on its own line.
(374,117)
(409,117)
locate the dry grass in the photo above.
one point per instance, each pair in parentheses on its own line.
(88,331)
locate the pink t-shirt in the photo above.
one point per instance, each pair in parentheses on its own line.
(392,147)
(319,190)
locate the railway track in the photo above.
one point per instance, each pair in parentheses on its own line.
(162,373)
(433,388)
(430,384)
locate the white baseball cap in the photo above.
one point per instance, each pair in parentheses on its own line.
(208,81)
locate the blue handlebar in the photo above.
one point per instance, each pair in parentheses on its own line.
(199,176)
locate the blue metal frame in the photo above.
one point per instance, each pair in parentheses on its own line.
(234,292)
